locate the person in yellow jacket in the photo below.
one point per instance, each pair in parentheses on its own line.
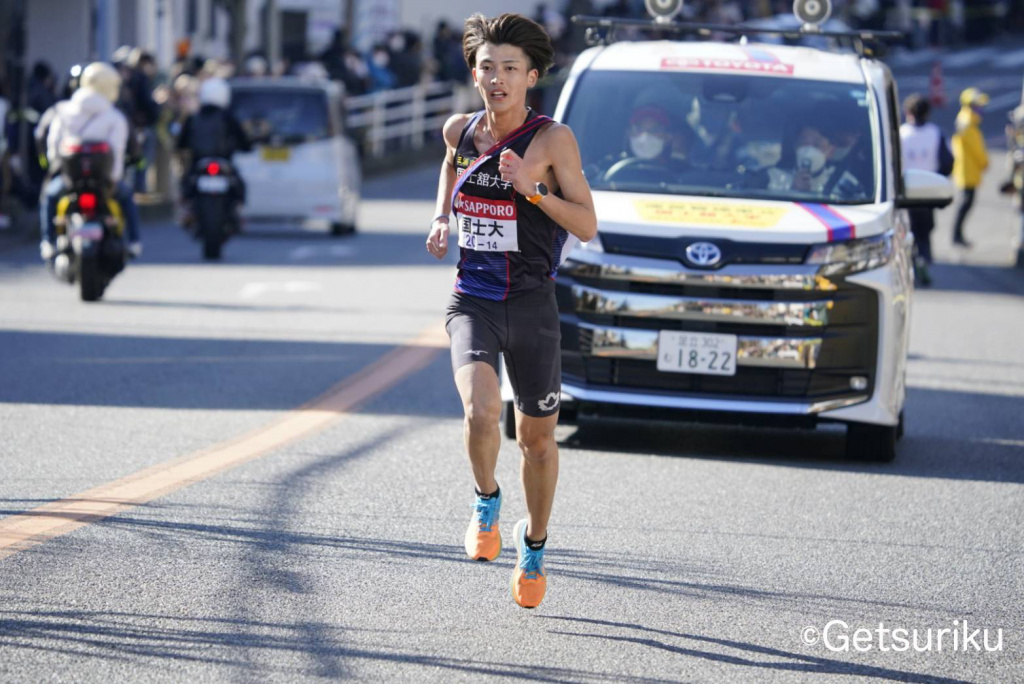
(970,158)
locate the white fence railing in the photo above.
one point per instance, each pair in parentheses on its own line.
(394,120)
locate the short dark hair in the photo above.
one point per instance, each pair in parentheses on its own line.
(917,107)
(509,29)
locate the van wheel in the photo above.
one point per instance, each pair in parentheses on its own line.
(899,428)
(510,420)
(875,443)
(338,228)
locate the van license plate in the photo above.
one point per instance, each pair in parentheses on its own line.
(706,354)
(276,154)
(215,185)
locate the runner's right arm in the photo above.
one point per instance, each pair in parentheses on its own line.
(437,241)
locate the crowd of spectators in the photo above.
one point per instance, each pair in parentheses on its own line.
(156,107)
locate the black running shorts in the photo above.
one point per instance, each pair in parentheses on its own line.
(524,328)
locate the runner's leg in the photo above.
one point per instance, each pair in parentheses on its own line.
(539,469)
(481,401)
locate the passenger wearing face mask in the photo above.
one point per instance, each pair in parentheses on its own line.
(852,156)
(815,169)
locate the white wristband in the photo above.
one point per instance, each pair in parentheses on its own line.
(440,216)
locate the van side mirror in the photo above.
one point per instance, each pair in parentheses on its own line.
(925,190)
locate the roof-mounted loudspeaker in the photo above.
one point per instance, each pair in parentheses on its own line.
(812,12)
(664,11)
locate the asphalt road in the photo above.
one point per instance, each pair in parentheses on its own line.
(327,541)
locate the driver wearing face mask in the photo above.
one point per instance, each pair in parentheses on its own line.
(653,149)
(649,129)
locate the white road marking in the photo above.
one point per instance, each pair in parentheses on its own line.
(1011,60)
(306,252)
(914,58)
(301,253)
(959,60)
(1005,101)
(253,290)
(1004,442)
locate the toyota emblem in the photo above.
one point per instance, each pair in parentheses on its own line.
(703,254)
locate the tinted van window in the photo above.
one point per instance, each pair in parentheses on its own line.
(286,115)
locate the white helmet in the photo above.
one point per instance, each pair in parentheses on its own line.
(216,92)
(103,79)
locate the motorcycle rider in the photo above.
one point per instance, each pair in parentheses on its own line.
(213,131)
(90,114)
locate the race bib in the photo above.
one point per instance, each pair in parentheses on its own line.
(487,225)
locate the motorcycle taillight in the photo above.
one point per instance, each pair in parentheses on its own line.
(87,203)
(213,168)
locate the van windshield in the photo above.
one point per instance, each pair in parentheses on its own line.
(282,115)
(725,135)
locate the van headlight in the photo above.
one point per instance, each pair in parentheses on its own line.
(852,256)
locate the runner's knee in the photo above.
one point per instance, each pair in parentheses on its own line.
(482,413)
(536,443)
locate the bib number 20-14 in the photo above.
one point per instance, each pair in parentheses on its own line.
(487,225)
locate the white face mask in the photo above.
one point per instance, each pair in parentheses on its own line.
(810,158)
(646,145)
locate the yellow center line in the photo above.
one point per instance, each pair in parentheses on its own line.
(38,525)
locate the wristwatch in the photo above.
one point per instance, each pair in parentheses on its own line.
(542,192)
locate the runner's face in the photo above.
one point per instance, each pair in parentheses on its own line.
(502,76)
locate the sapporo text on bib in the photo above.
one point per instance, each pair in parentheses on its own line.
(487,225)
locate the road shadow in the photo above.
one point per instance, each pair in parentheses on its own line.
(765,660)
(274,553)
(985,445)
(947,277)
(231,643)
(131,371)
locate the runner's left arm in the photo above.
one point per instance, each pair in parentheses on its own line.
(575,212)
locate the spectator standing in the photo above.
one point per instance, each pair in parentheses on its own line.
(42,88)
(924,147)
(379,66)
(406,58)
(970,157)
(357,73)
(146,112)
(447,50)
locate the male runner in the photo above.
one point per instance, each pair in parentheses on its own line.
(520,202)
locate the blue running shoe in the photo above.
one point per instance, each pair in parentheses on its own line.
(529,581)
(483,538)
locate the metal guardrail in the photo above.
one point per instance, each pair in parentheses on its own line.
(404,118)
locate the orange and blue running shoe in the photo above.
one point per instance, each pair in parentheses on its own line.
(528,579)
(483,538)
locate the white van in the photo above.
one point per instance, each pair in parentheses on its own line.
(737,274)
(303,166)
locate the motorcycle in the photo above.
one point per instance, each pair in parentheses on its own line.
(214,204)
(90,247)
